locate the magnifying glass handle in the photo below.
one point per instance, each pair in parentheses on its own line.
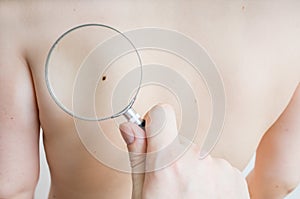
(134,117)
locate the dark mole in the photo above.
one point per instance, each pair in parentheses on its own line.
(243,7)
(74,10)
(104,78)
(11,118)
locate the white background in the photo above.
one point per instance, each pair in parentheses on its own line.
(44,182)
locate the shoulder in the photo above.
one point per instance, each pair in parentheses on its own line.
(12,14)
(24,25)
(13,26)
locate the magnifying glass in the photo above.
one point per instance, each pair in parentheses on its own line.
(94,72)
(82,67)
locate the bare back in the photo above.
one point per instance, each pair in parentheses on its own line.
(254,47)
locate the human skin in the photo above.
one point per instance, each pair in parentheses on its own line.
(254,47)
(188,177)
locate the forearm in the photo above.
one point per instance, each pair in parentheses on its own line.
(261,187)
(276,172)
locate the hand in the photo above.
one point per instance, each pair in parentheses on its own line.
(188,177)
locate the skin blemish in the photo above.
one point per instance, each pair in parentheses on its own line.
(104,78)
(243,8)
(11,118)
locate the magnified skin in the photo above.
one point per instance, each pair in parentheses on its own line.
(255,46)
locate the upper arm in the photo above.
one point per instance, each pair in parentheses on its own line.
(19,125)
(278,156)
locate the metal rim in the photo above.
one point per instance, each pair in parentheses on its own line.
(57,101)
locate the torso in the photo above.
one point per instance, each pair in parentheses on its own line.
(254,45)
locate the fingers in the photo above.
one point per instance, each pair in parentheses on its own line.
(163,146)
(161,127)
(136,142)
(135,139)
(161,133)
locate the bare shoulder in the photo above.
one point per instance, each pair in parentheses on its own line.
(12,23)
(24,17)
(275,28)
(12,13)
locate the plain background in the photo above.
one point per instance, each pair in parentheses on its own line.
(44,181)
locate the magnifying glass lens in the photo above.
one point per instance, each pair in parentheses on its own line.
(83,68)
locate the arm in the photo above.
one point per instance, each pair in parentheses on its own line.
(276,171)
(19,125)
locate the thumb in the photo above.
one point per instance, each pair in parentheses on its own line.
(135,139)
(161,127)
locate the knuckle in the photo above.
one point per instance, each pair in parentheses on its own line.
(166,107)
(222,162)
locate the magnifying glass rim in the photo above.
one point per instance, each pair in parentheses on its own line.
(64,108)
